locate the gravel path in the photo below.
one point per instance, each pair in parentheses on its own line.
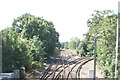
(87,70)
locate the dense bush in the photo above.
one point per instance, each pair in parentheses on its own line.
(30,40)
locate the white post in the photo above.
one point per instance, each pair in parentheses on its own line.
(91,74)
(116,58)
(16,74)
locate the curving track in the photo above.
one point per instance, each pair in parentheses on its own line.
(66,65)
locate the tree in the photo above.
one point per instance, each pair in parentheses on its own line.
(14,51)
(29,42)
(28,26)
(104,21)
(74,43)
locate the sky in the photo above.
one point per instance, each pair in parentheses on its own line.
(68,16)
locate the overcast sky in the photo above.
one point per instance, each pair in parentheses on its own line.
(68,16)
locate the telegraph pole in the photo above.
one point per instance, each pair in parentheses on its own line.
(95,47)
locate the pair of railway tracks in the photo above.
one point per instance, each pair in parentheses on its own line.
(65,66)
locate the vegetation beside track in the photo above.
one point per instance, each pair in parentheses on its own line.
(102,24)
(28,43)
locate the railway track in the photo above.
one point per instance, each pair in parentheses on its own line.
(60,60)
(66,66)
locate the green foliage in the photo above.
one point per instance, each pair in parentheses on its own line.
(35,65)
(106,22)
(31,39)
(64,45)
(13,51)
(28,26)
(35,49)
(73,44)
